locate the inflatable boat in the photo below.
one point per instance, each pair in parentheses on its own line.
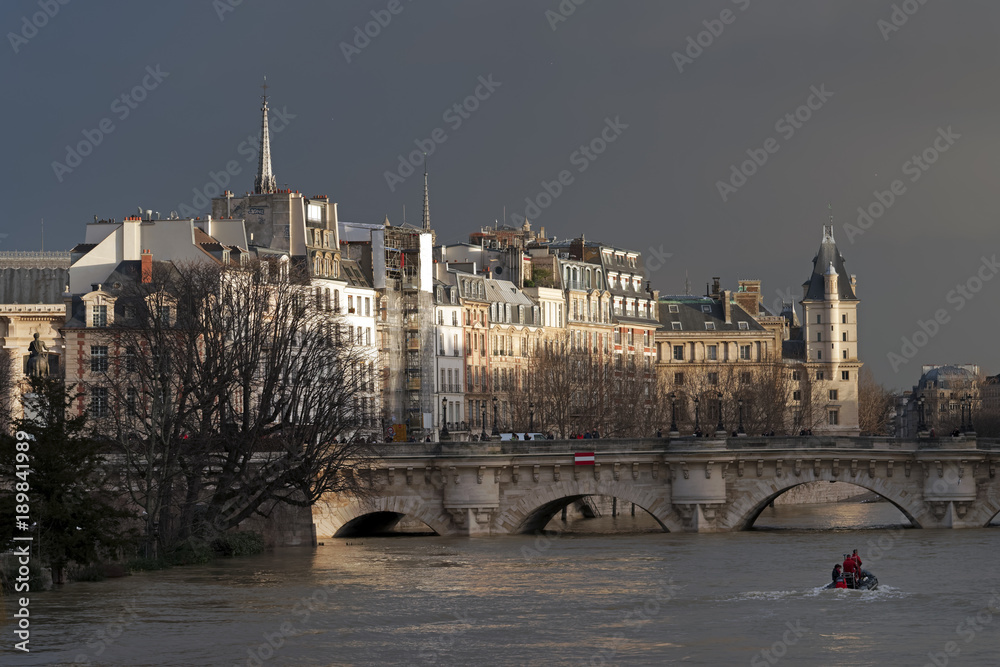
(867,582)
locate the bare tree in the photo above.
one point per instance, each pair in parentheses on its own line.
(876,405)
(6,390)
(232,390)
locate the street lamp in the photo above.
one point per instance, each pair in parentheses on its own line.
(719,426)
(483,436)
(969,399)
(921,425)
(740,430)
(444,418)
(531,417)
(673,412)
(496,431)
(697,414)
(962,404)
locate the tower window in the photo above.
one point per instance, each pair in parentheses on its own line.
(845,375)
(843,319)
(818,319)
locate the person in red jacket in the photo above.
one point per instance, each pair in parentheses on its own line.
(851,568)
(857,560)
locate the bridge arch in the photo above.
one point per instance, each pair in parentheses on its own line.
(754,496)
(371,513)
(532,511)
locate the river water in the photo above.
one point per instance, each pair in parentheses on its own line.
(600,592)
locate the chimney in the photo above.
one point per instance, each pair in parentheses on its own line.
(727,308)
(715,287)
(131,238)
(748,297)
(147,266)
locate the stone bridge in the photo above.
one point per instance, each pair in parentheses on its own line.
(686,484)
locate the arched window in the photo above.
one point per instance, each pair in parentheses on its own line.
(336,300)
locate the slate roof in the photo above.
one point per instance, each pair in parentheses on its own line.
(829,254)
(351,270)
(692,316)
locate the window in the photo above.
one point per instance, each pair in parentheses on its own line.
(131,361)
(99,359)
(819,337)
(678,378)
(350,303)
(796,395)
(745,352)
(314,213)
(132,399)
(368,308)
(796,376)
(99,402)
(845,375)
(164,316)
(712,352)
(744,326)
(833,394)
(454,316)
(672,308)
(843,336)
(843,319)
(713,378)
(818,320)
(745,377)
(675,326)
(100,316)
(819,375)
(845,354)
(706,309)
(710,326)
(678,352)
(834,417)
(819,354)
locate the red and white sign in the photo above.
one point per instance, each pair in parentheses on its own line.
(584,458)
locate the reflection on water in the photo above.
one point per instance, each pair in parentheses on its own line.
(827,516)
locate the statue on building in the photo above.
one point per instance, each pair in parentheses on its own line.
(38,358)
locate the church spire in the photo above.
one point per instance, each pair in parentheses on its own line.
(427,205)
(265,181)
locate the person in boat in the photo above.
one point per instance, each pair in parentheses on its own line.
(837,575)
(851,568)
(862,574)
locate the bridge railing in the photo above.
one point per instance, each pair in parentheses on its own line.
(803,443)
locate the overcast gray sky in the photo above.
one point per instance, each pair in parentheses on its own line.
(891,78)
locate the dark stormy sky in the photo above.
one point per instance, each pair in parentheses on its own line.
(888,95)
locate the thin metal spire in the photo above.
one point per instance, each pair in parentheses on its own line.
(427,205)
(265,181)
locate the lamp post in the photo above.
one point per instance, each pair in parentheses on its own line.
(673,413)
(962,405)
(969,427)
(697,423)
(496,431)
(444,418)
(719,427)
(531,417)
(740,430)
(921,425)
(483,436)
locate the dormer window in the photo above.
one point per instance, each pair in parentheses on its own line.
(744,325)
(99,317)
(673,308)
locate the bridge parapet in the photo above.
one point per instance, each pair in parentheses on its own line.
(684,444)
